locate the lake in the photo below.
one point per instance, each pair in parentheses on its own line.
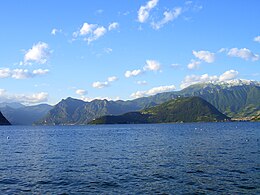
(200,158)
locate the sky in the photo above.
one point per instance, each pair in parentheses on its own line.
(111,49)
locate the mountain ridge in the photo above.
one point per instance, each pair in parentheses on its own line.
(185,109)
(25,115)
(239,100)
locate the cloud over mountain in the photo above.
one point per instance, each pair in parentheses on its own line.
(34,98)
(193,79)
(153,91)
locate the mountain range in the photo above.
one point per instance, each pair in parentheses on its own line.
(19,114)
(184,109)
(236,99)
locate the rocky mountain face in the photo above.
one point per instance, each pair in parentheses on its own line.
(3,120)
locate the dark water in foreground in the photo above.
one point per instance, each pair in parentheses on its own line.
(200,158)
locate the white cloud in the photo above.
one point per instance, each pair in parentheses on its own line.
(193,64)
(21,73)
(132,73)
(228,75)
(89,99)
(144,11)
(142,82)
(92,32)
(168,17)
(111,79)
(97,33)
(113,26)
(193,79)
(5,72)
(152,65)
(2,92)
(87,28)
(206,56)
(243,53)
(40,72)
(153,91)
(81,92)
(257,39)
(36,98)
(100,85)
(55,31)
(39,53)
(22,98)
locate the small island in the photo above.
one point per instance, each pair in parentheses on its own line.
(186,109)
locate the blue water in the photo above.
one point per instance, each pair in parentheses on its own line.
(198,158)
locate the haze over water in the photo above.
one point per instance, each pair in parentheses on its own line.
(131,159)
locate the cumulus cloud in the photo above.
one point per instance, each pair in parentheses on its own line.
(168,17)
(39,53)
(97,33)
(101,85)
(113,26)
(206,56)
(21,73)
(153,91)
(132,73)
(257,39)
(194,79)
(193,64)
(87,28)
(144,11)
(22,98)
(152,65)
(243,53)
(228,75)
(81,92)
(92,32)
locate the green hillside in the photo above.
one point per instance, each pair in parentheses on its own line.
(190,109)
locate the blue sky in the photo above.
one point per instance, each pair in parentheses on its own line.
(113,49)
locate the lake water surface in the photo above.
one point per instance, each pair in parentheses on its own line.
(200,158)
